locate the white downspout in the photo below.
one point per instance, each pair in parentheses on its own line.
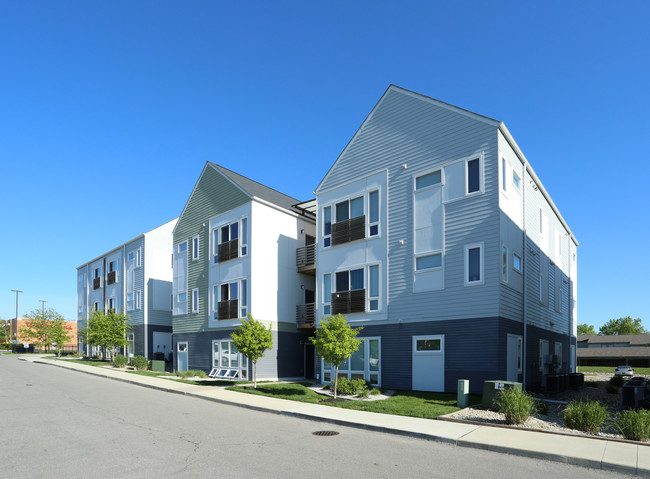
(525,282)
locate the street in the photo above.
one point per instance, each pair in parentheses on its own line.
(61,423)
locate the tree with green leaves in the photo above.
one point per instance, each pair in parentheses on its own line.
(335,341)
(40,325)
(60,334)
(586,329)
(5,331)
(107,330)
(252,340)
(621,326)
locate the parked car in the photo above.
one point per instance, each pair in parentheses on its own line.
(624,371)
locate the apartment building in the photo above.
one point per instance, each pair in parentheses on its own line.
(234,254)
(435,235)
(135,277)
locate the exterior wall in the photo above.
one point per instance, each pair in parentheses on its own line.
(22,337)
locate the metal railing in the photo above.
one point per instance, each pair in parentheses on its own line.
(349,230)
(112,277)
(306,256)
(228,309)
(306,315)
(345,302)
(228,250)
(97,283)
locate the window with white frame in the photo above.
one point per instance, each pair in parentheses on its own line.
(428,225)
(541,288)
(131,256)
(227,361)
(373,287)
(138,299)
(195,300)
(111,304)
(428,261)
(327,226)
(138,258)
(182,247)
(179,286)
(364,364)
(504,174)
(230,300)
(473,175)
(195,248)
(225,242)
(349,293)
(429,179)
(373,213)
(516,262)
(96,306)
(244,237)
(474,264)
(130,301)
(504,263)
(516,180)
(327,294)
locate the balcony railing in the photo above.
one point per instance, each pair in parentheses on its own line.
(345,302)
(306,258)
(97,283)
(228,250)
(306,315)
(112,277)
(349,230)
(228,309)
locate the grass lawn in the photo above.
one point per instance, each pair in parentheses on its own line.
(87,362)
(402,403)
(608,369)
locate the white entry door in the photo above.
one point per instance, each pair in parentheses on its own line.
(514,359)
(181,356)
(429,363)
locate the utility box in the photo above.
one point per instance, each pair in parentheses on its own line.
(492,388)
(158,366)
(463,393)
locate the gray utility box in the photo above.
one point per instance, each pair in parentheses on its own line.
(158,366)
(492,388)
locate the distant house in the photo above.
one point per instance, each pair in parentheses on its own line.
(631,349)
(135,277)
(21,324)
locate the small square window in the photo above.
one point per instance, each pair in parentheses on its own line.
(516,180)
(516,262)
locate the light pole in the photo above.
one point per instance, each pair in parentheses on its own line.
(16,330)
(43,305)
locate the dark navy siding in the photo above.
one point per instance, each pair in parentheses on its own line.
(534,376)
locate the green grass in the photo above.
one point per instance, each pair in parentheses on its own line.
(87,362)
(609,369)
(402,403)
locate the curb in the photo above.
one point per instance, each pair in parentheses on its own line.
(460,442)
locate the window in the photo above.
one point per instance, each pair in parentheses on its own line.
(516,262)
(227,361)
(129,301)
(182,297)
(138,299)
(97,273)
(503,173)
(195,300)
(111,304)
(427,344)
(182,247)
(350,295)
(327,226)
(244,299)
(225,240)
(504,263)
(348,209)
(364,364)
(474,264)
(430,179)
(520,354)
(373,289)
(516,180)
(138,258)
(195,248)
(131,256)
(373,213)
(543,354)
(244,236)
(226,300)
(112,266)
(96,306)
(350,222)
(112,272)
(541,288)
(327,294)
(558,355)
(473,176)
(429,261)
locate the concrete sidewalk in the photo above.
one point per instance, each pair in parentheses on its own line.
(615,455)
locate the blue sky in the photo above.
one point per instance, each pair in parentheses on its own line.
(109,110)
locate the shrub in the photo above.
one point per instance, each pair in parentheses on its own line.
(611,389)
(119,361)
(375,391)
(517,406)
(5,346)
(542,408)
(140,363)
(592,384)
(617,381)
(191,373)
(354,387)
(587,416)
(634,425)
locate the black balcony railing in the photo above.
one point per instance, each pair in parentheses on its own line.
(112,277)
(306,257)
(228,250)
(349,230)
(345,302)
(97,283)
(306,315)
(228,309)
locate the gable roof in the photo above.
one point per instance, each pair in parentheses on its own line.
(257,190)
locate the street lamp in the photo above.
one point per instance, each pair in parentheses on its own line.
(16,330)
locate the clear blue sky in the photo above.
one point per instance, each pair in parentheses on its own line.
(109,110)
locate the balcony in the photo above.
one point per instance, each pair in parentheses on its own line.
(306,259)
(97,283)
(345,302)
(306,315)
(228,250)
(228,309)
(112,277)
(349,230)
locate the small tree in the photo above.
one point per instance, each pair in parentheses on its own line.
(107,330)
(39,326)
(586,329)
(5,328)
(335,341)
(60,334)
(252,340)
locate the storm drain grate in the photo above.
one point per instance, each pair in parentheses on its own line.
(325,433)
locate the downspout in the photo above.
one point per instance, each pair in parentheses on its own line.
(525,282)
(570,308)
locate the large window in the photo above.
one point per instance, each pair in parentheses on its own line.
(230,300)
(226,242)
(365,364)
(327,226)
(327,294)
(227,361)
(349,293)
(350,222)
(373,213)
(474,264)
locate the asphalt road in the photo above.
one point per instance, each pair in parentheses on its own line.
(61,423)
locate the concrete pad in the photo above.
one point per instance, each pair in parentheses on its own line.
(643,460)
(620,457)
(576,450)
